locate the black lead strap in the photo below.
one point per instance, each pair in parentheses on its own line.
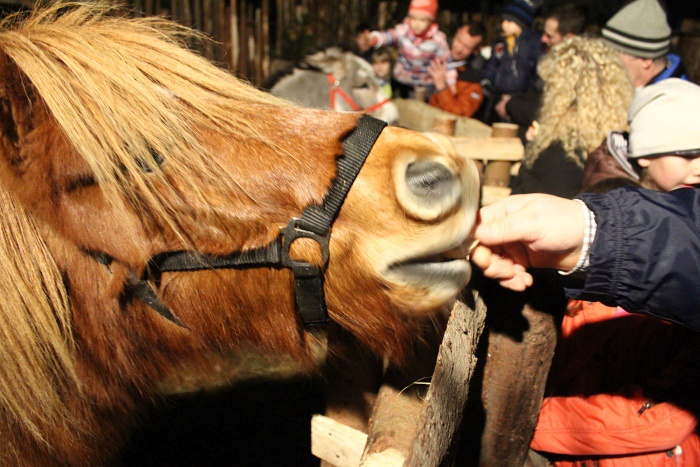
(315,223)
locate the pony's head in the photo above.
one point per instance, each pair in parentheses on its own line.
(119,145)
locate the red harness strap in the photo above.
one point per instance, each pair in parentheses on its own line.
(336,90)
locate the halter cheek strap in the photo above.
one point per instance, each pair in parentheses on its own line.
(315,223)
(337,90)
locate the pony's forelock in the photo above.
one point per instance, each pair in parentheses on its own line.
(126,92)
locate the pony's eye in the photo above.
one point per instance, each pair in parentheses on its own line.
(361,86)
(429,180)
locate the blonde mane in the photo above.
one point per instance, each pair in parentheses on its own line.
(120,90)
(36,346)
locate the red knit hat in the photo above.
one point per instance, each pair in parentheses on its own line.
(423,7)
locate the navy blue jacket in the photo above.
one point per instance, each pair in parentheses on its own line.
(512,74)
(646,253)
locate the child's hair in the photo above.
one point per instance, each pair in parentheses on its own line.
(383,54)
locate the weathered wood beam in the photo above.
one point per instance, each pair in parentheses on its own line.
(441,416)
(411,426)
(336,443)
(489,149)
(515,357)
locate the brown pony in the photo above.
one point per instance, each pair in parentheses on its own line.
(117,145)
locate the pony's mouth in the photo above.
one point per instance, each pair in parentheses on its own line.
(448,270)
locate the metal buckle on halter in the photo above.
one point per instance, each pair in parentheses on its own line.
(290,233)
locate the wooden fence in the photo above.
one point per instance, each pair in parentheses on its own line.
(251,34)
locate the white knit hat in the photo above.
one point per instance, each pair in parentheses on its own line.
(640,29)
(664,119)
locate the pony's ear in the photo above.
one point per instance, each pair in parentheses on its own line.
(15,110)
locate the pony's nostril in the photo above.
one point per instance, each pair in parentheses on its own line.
(430,182)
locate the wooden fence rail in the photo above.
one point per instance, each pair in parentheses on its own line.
(249,34)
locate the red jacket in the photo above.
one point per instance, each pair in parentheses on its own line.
(625,391)
(465,102)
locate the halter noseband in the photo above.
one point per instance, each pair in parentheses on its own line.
(315,223)
(337,90)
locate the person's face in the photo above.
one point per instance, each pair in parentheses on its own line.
(465,45)
(362,39)
(510,28)
(419,23)
(550,33)
(636,69)
(671,172)
(381,68)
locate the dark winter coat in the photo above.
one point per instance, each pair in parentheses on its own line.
(512,74)
(553,172)
(646,253)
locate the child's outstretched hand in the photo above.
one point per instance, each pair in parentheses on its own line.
(438,71)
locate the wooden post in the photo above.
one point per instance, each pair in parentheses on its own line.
(175,10)
(278,28)
(187,13)
(138,7)
(264,44)
(197,21)
(243,34)
(414,427)
(257,54)
(441,417)
(208,27)
(519,343)
(396,412)
(235,35)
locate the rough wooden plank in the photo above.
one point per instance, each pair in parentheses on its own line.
(514,380)
(515,355)
(392,427)
(419,116)
(441,417)
(336,443)
(489,149)
(393,424)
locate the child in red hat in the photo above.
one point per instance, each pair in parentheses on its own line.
(419,41)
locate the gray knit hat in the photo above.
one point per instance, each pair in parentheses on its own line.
(639,29)
(664,119)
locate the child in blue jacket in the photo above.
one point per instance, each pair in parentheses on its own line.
(514,57)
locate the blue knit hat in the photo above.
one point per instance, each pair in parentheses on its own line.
(521,12)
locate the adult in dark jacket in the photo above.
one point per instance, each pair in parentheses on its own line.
(560,23)
(642,254)
(587,95)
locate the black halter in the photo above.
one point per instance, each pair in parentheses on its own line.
(315,223)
